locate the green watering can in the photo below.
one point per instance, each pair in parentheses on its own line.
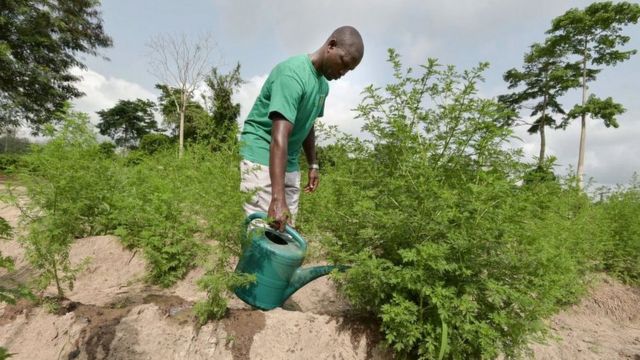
(275,258)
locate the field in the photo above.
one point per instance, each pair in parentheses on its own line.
(457,247)
(113,313)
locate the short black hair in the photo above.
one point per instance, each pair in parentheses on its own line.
(348,38)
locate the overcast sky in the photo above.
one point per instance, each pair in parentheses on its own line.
(259,34)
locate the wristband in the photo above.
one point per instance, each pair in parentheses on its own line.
(314,166)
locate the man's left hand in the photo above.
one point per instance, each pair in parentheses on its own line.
(314,180)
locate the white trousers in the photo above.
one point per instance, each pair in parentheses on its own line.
(255,177)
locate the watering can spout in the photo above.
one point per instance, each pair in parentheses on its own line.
(301,276)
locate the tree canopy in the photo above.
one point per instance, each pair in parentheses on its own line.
(543,80)
(593,37)
(224,112)
(39,44)
(128,121)
(215,122)
(195,115)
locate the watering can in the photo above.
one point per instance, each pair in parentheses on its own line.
(275,258)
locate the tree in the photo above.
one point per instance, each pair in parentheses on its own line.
(592,38)
(39,44)
(545,79)
(223,111)
(151,143)
(180,64)
(195,119)
(128,121)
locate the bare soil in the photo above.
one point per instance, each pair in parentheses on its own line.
(113,314)
(604,325)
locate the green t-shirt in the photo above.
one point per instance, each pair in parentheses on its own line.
(294,89)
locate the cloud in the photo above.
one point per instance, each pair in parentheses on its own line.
(462,32)
(343,97)
(611,154)
(610,158)
(103,92)
(247,95)
(402,24)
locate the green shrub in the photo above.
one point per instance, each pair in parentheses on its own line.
(171,208)
(216,282)
(150,143)
(68,185)
(9,295)
(134,157)
(152,214)
(621,212)
(213,193)
(5,354)
(177,211)
(8,162)
(6,262)
(455,258)
(107,149)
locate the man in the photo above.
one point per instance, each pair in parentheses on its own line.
(281,123)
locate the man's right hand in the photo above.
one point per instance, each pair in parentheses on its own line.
(278,214)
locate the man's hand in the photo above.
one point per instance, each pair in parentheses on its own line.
(278,214)
(314,181)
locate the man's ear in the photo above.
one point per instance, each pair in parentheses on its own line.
(332,43)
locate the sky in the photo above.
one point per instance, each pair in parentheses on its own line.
(259,34)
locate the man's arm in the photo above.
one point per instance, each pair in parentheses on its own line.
(280,132)
(309,146)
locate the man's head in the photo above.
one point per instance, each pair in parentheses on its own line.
(341,53)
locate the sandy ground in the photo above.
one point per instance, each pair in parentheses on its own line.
(605,325)
(112,314)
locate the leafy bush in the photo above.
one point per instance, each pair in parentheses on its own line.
(68,186)
(150,143)
(153,215)
(620,213)
(212,193)
(173,209)
(455,258)
(169,208)
(107,148)
(9,295)
(5,354)
(179,212)
(8,162)
(217,281)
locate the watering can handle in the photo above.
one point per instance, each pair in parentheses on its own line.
(287,229)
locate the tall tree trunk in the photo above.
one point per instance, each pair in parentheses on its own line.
(543,139)
(583,125)
(183,109)
(6,141)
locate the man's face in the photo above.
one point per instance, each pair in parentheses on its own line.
(338,62)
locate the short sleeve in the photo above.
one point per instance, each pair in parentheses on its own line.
(286,92)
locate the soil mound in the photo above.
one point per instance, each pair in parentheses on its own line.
(112,314)
(604,325)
